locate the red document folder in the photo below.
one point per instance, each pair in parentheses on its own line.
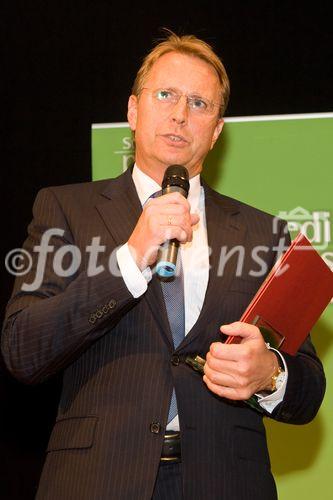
(292,297)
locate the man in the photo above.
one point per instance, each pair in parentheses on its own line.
(126,385)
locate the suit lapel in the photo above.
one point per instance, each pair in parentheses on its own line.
(224,229)
(120,207)
(120,210)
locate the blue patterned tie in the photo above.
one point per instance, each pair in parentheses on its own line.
(173,293)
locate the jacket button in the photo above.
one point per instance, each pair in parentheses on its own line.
(175,360)
(112,304)
(105,309)
(155,427)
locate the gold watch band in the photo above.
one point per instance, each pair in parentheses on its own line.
(275,377)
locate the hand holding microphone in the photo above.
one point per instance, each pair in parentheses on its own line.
(166,221)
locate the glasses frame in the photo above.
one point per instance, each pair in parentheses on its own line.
(211,105)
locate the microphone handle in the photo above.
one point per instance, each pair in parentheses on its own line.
(167,258)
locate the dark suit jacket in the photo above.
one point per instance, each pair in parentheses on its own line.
(120,366)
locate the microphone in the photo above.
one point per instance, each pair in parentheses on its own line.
(176,178)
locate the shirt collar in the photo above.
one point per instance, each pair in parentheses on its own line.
(146,186)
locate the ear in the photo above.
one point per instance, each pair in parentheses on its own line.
(217,131)
(132,111)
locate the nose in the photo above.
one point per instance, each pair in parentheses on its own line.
(180,111)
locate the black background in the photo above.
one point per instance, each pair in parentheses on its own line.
(67,64)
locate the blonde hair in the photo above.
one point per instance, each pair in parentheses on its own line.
(188,45)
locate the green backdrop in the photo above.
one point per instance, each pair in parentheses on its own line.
(283,165)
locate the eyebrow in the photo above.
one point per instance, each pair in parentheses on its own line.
(191,94)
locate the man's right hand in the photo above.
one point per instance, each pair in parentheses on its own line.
(164,218)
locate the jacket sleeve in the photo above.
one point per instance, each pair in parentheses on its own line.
(49,324)
(305,386)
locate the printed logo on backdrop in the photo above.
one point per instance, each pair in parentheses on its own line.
(316,226)
(126,152)
(112,150)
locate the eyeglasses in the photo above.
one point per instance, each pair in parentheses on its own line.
(199,105)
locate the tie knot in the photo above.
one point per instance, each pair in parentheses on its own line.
(156,194)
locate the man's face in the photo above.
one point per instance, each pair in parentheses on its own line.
(168,134)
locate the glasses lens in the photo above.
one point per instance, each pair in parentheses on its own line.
(165,95)
(199,104)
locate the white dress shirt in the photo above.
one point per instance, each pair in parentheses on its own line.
(195,261)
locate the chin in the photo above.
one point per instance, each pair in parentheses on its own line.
(175,160)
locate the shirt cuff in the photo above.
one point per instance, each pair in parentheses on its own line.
(135,280)
(273,399)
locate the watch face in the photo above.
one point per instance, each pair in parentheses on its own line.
(280,380)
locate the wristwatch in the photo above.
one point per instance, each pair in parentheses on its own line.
(277,379)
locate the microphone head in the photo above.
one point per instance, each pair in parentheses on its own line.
(176,175)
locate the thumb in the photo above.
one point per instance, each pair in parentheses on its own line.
(240,329)
(194,219)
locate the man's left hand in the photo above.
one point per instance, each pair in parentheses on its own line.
(237,371)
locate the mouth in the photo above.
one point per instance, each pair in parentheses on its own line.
(175,139)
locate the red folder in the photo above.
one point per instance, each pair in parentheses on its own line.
(292,297)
